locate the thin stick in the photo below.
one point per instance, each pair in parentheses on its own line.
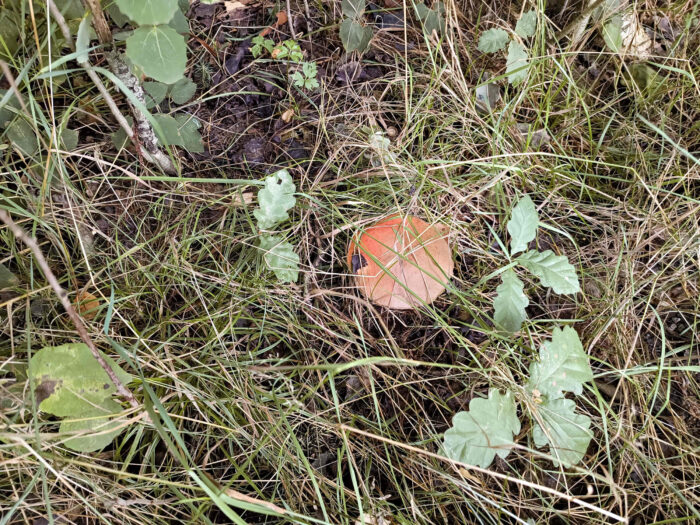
(23,236)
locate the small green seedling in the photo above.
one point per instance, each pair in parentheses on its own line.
(261,43)
(306,78)
(290,50)
(274,201)
(486,430)
(517,60)
(68,382)
(553,271)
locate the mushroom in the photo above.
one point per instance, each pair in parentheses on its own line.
(401,263)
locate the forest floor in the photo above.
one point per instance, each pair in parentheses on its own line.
(307,396)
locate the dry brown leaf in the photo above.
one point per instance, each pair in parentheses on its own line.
(635,40)
(287,115)
(87,305)
(401,263)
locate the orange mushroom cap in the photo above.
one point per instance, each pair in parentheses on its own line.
(400,262)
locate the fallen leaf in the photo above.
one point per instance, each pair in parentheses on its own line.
(287,115)
(87,305)
(282,18)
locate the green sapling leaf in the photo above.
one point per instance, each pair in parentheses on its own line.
(353,8)
(148,12)
(280,258)
(566,432)
(275,199)
(516,62)
(485,431)
(160,51)
(68,380)
(182,91)
(493,40)
(355,36)
(510,303)
(554,271)
(522,225)
(563,365)
(527,24)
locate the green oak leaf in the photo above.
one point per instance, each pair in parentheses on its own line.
(566,432)
(493,40)
(522,225)
(516,62)
(280,258)
(275,199)
(563,365)
(483,432)
(527,24)
(160,51)
(148,12)
(510,302)
(95,427)
(554,271)
(68,380)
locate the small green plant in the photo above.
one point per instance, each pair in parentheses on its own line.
(290,50)
(68,382)
(433,20)
(517,60)
(488,427)
(274,201)
(553,271)
(261,43)
(306,78)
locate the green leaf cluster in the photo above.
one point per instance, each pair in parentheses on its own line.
(157,46)
(275,199)
(517,59)
(354,34)
(486,430)
(68,382)
(553,271)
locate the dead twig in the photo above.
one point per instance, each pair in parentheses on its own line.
(23,236)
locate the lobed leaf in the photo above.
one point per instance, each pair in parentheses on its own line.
(510,302)
(522,225)
(493,40)
(563,365)
(275,199)
(280,258)
(527,24)
(485,431)
(566,432)
(554,271)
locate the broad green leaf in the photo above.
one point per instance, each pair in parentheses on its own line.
(180,23)
(95,427)
(612,33)
(148,12)
(355,36)
(280,258)
(484,431)
(10,27)
(82,41)
(119,18)
(566,432)
(493,40)
(160,51)
(189,131)
(119,138)
(554,271)
(68,380)
(527,24)
(9,110)
(181,130)
(70,9)
(522,225)
(156,93)
(22,136)
(353,8)
(510,303)
(275,199)
(182,91)
(562,367)
(516,62)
